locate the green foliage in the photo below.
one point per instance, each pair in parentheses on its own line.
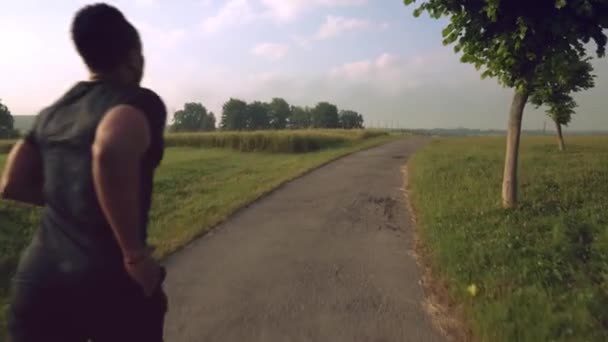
(301,118)
(350,119)
(234,115)
(278,113)
(208,122)
(561,108)
(325,115)
(237,115)
(7,129)
(555,91)
(541,270)
(272,141)
(257,116)
(192,118)
(520,43)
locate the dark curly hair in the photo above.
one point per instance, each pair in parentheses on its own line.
(103,37)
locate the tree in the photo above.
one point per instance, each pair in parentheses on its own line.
(300,118)
(192,118)
(555,93)
(350,119)
(208,123)
(523,45)
(560,111)
(257,116)
(325,115)
(278,113)
(234,115)
(7,129)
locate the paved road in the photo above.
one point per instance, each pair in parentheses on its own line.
(324,258)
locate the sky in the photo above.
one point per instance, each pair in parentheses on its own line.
(371,56)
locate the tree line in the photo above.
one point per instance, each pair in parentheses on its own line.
(7,128)
(238,115)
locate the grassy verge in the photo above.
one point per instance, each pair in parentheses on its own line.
(195,189)
(541,271)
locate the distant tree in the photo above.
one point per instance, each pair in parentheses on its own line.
(234,115)
(209,122)
(350,119)
(556,91)
(7,129)
(300,118)
(561,111)
(192,118)
(522,44)
(278,113)
(257,116)
(325,115)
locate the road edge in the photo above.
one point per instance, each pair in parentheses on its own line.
(445,314)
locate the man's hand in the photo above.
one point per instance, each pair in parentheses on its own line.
(144,270)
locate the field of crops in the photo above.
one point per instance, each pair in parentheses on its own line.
(194,189)
(299,141)
(295,141)
(538,273)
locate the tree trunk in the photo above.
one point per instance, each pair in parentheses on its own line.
(509,181)
(560,137)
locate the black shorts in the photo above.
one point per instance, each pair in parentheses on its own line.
(112,309)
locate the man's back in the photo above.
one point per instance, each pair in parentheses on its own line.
(74,227)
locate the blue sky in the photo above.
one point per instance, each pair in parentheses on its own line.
(368,55)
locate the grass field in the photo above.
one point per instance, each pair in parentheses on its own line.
(542,270)
(195,189)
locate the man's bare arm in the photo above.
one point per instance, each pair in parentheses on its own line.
(22,178)
(121,140)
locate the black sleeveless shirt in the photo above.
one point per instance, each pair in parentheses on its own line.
(75,237)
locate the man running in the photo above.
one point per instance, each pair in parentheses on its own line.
(89,160)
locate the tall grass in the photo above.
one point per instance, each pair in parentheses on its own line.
(299,141)
(542,269)
(285,141)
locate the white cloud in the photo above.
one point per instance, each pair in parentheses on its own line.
(366,68)
(286,10)
(270,51)
(386,60)
(393,74)
(335,26)
(242,12)
(354,70)
(233,13)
